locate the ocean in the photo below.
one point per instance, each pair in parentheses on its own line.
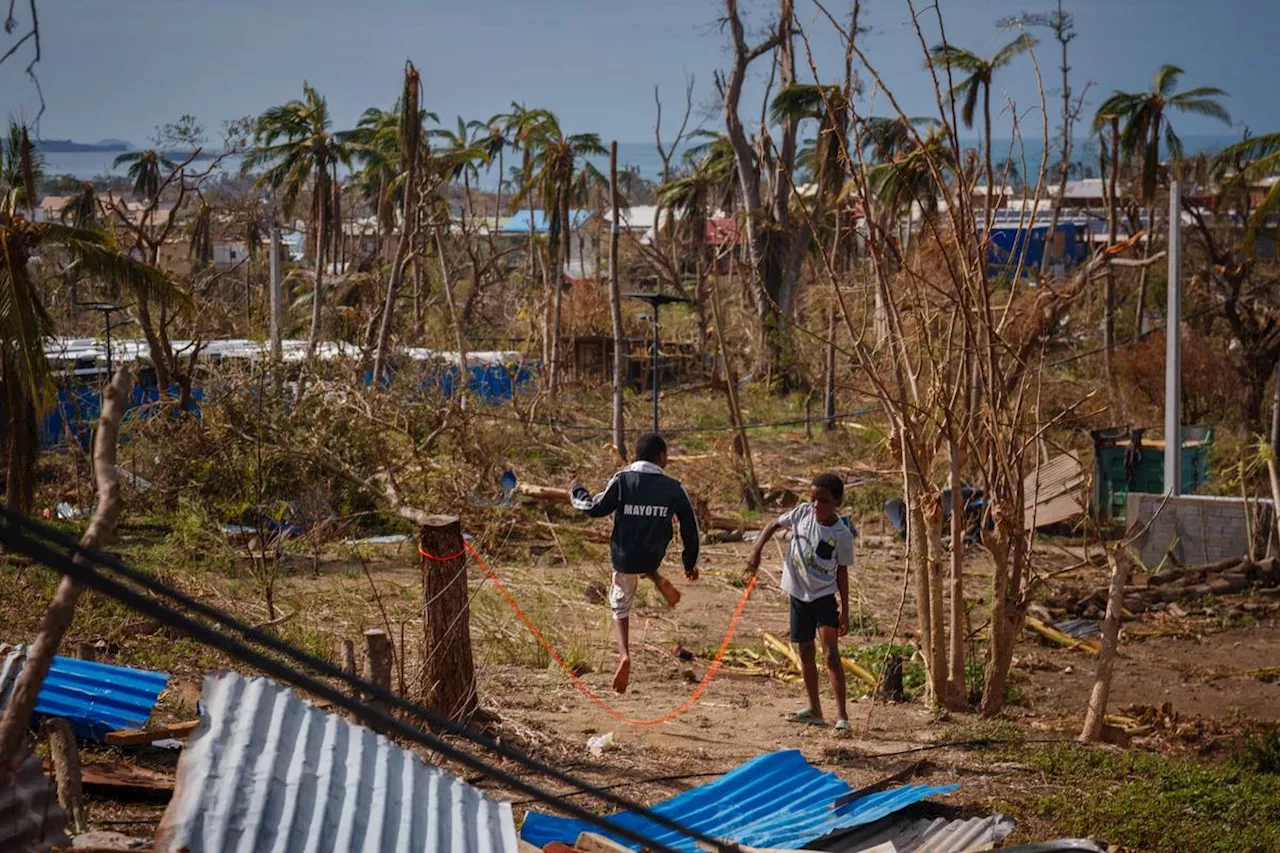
(642,157)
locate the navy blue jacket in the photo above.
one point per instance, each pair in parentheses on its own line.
(642,499)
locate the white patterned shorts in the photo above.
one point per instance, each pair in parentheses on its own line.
(622,594)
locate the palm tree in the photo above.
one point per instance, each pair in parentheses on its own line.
(21,170)
(828,106)
(410,150)
(911,177)
(1145,121)
(552,173)
(463,154)
(82,209)
(494,138)
(25,324)
(144,171)
(981,72)
(885,138)
(296,144)
(1261,158)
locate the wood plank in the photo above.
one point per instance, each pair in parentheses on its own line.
(591,842)
(142,737)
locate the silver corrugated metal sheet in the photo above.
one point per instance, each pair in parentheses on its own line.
(267,771)
(31,821)
(924,835)
(95,697)
(1054,492)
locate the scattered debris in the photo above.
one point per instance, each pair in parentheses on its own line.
(722,808)
(31,821)
(1054,635)
(1080,628)
(145,737)
(599,744)
(388,539)
(911,833)
(1191,583)
(1054,492)
(103,840)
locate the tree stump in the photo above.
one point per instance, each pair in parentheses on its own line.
(65,756)
(377,662)
(348,651)
(891,687)
(448,670)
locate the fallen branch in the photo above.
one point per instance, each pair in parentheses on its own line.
(57,619)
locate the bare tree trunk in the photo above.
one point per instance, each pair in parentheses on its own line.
(448,670)
(317,295)
(1096,713)
(378,654)
(1109,282)
(751,486)
(931,574)
(829,383)
(957,690)
(446,283)
(57,619)
(397,272)
(615,308)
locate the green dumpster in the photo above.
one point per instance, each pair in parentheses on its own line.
(1113,479)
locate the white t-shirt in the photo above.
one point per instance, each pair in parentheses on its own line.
(814,552)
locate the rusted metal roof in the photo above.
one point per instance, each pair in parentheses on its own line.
(31,821)
(1054,492)
(95,697)
(267,771)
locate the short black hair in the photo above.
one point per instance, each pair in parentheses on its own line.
(650,447)
(832,483)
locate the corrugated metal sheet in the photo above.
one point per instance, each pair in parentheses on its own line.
(924,835)
(1054,492)
(267,771)
(777,800)
(95,697)
(31,821)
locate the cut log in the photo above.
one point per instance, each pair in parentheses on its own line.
(1227,584)
(66,770)
(378,654)
(349,663)
(551,494)
(142,737)
(590,842)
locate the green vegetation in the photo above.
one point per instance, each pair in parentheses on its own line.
(1154,804)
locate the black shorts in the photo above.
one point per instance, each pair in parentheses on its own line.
(806,616)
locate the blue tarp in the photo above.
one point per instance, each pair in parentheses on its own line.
(776,800)
(1005,249)
(95,697)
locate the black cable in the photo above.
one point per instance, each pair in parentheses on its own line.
(672,430)
(15,540)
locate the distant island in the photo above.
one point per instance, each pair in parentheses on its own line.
(67,146)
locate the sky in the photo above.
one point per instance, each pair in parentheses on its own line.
(119,69)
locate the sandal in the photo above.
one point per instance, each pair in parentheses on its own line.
(842,726)
(805,717)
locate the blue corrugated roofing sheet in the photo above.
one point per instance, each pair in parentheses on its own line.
(95,697)
(776,800)
(519,221)
(266,770)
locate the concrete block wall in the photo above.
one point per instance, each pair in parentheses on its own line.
(1194,529)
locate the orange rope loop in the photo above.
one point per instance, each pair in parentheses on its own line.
(434,558)
(584,689)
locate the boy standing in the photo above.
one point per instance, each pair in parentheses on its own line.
(815,572)
(642,499)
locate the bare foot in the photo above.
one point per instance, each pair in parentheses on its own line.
(669,591)
(622,676)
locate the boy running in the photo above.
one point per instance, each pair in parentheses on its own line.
(642,499)
(815,570)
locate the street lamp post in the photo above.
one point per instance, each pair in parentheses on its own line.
(656,300)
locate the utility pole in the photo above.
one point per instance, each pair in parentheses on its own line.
(615,307)
(276,353)
(1173,350)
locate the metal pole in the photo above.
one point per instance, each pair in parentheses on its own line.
(1173,351)
(276,305)
(655,367)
